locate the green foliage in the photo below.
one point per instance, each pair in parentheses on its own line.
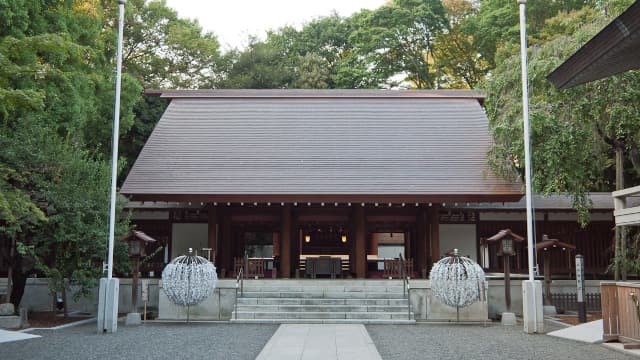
(259,67)
(458,61)
(162,50)
(497,23)
(398,38)
(572,131)
(311,72)
(56,109)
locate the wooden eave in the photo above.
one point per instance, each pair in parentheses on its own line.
(328,198)
(554,244)
(506,233)
(615,49)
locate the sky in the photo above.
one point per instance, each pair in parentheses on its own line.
(234,20)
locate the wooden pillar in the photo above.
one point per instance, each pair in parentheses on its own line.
(421,261)
(372,245)
(547,277)
(360,246)
(407,245)
(619,244)
(285,242)
(507,281)
(434,232)
(212,233)
(224,245)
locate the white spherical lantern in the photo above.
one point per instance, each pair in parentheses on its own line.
(457,281)
(189,280)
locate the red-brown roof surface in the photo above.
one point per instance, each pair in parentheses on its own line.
(312,145)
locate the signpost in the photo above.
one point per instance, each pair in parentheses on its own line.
(582,306)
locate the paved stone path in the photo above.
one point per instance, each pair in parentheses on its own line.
(320,342)
(10,336)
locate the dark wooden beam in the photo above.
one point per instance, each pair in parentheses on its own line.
(285,242)
(360,246)
(212,232)
(434,232)
(421,260)
(224,245)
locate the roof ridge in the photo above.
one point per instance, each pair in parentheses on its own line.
(315,93)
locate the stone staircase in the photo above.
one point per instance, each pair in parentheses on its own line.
(323,301)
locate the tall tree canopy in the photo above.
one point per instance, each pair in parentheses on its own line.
(573,132)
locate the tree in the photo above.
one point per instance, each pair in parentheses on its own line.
(399,38)
(55,110)
(311,72)
(497,23)
(260,66)
(460,65)
(574,133)
(162,50)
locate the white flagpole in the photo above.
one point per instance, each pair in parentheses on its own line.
(527,157)
(109,287)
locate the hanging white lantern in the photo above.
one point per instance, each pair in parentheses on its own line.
(189,279)
(457,281)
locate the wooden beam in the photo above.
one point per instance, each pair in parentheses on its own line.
(226,255)
(360,250)
(407,245)
(422,261)
(434,232)
(212,232)
(285,242)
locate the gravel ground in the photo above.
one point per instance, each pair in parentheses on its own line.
(469,342)
(222,341)
(150,341)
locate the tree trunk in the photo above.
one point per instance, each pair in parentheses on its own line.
(12,251)
(64,299)
(618,233)
(18,280)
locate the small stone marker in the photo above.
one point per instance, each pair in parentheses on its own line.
(24,317)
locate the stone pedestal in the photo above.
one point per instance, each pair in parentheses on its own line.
(108,305)
(133,319)
(532,315)
(9,322)
(508,319)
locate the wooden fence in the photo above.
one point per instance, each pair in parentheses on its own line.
(621,311)
(570,301)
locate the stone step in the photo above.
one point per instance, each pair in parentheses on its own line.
(326,321)
(319,315)
(320,308)
(320,301)
(322,294)
(323,282)
(320,288)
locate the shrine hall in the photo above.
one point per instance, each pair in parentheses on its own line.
(343,179)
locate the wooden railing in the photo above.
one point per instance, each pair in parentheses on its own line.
(252,267)
(626,215)
(620,311)
(396,268)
